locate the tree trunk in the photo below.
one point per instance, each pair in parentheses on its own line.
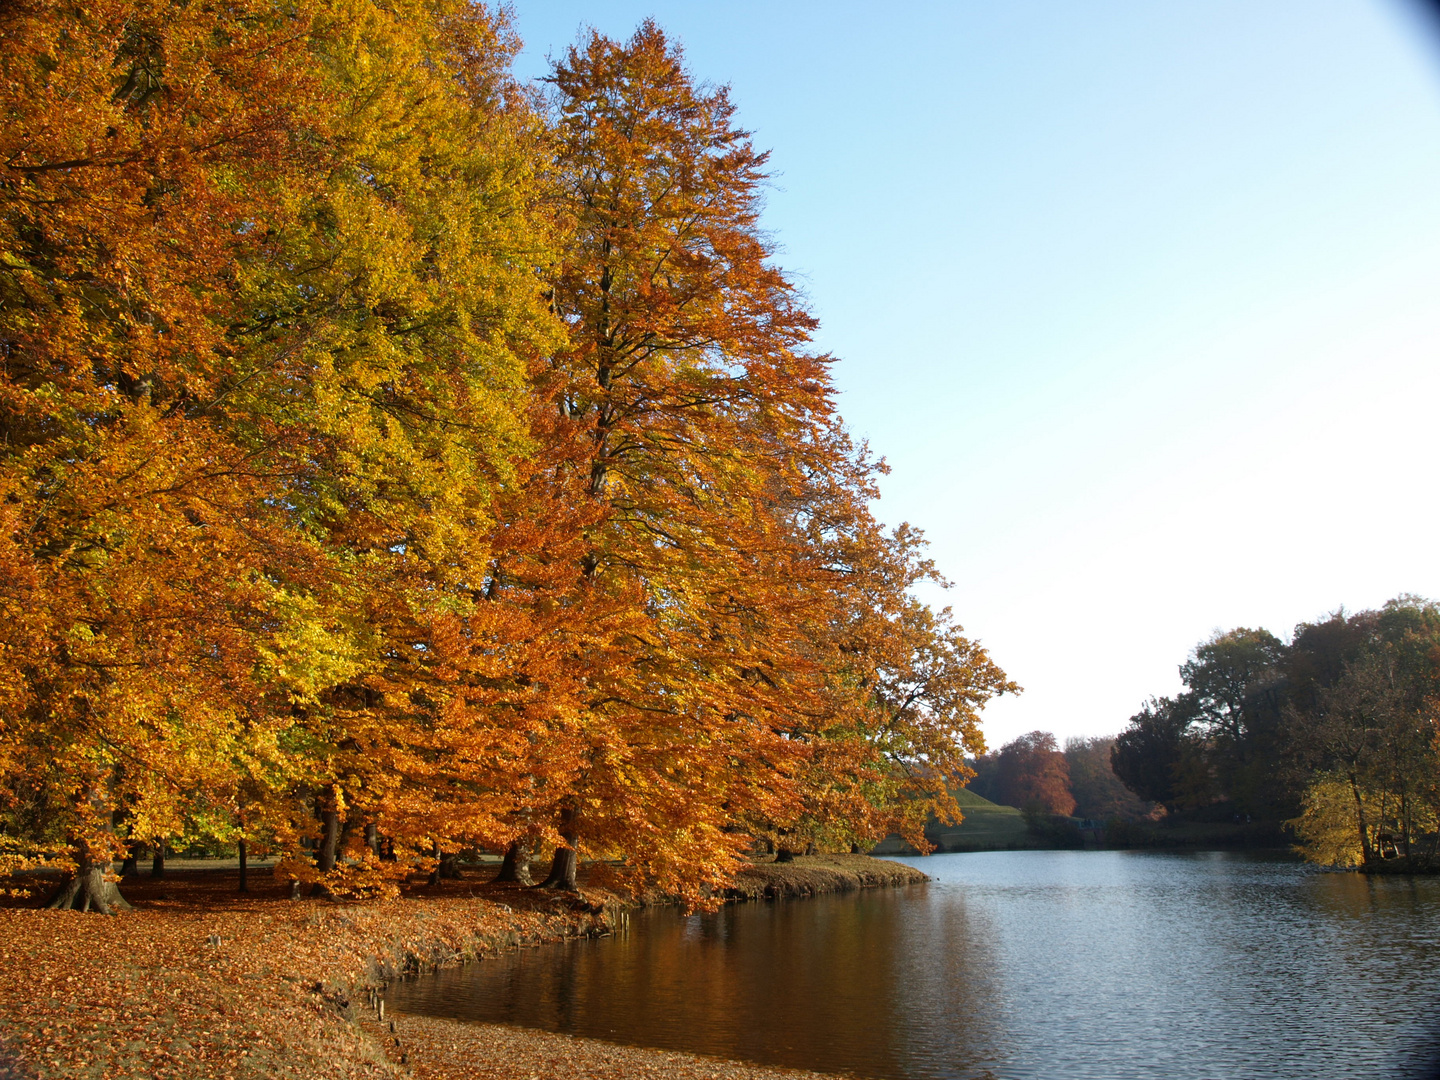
(564,865)
(157,859)
(244,867)
(1406,822)
(1367,855)
(372,838)
(130,868)
(784,854)
(89,889)
(330,840)
(516,866)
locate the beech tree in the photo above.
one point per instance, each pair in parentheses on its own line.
(136,139)
(686,362)
(394,465)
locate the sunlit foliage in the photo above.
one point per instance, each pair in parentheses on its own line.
(397,460)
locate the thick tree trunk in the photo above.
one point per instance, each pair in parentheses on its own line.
(157,859)
(516,865)
(784,854)
(130,868)
(372,838)
(244,867)
(89,890)
(565,864)
(330,840)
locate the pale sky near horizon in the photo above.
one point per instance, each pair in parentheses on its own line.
(1140,301)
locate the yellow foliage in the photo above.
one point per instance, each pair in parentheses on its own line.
(1328,826)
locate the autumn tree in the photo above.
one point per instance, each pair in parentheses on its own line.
(1031,772)
(1368,740)
(1099,793)
(411,310)
(686,363)
(906,685)
(701,424)
(389,465)
(138,139)
(269,289)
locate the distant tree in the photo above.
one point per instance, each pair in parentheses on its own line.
(1032,774)
(1233,706)
(1147,755)
(1370,733)
(986,782)
(1099,793)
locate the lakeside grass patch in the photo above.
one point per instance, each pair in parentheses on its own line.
(812,875)
(987,826)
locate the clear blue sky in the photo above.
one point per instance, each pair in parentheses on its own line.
(1140,300)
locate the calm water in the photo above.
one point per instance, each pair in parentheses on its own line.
(1042,964)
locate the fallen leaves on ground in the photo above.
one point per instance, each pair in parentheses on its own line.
(150,995)
(201,982)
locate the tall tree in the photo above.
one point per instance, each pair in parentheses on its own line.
(1099,793)
(1371,733)
(702,427)
(1150,753)
(1235,690)
(138,139)
(686,367)
(1031,772)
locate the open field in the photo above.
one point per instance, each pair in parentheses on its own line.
(986,827)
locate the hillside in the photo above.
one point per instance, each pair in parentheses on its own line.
(986,827)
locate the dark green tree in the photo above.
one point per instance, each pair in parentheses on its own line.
(1149,754)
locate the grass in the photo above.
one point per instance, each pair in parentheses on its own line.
(810,875)
(986,827)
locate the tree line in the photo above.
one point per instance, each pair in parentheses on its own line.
(397,460)
(1333,732)
(1035,774)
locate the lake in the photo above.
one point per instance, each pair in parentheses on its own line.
(1023,964)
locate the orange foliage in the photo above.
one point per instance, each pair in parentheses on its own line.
(391,465)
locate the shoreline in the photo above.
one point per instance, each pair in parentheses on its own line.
(201,984)
(436,1049)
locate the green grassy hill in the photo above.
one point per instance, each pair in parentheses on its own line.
(987,827)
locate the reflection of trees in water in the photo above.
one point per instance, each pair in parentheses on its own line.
(1036,964)
(853,982)
(949,974)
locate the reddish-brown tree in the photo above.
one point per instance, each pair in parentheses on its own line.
(1031,772)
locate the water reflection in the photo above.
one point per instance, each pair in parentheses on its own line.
(1013,964)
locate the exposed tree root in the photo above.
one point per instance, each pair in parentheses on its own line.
(90,890)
